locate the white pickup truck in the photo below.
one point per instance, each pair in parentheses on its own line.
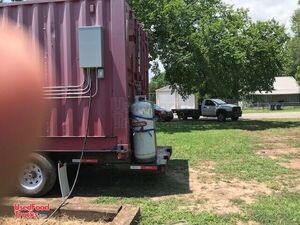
(211,108)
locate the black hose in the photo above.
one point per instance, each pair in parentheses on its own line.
(79,165)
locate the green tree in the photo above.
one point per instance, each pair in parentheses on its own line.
(294,47)
(207,47)
(158,81)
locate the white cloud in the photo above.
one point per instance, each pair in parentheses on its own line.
(280,10)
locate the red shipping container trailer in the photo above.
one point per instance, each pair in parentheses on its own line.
(95,62)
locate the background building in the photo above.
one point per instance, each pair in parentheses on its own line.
(168,100)
(286,89)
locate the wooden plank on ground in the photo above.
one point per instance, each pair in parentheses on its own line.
(127,216)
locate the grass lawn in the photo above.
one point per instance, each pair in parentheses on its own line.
(267,110)
(220,173)
(276,209)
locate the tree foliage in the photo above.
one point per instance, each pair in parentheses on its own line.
(208,47)
(294,47)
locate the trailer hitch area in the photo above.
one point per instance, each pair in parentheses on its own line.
(122,154)
(163,155)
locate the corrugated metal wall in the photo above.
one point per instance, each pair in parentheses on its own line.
(54,25)
(137,60)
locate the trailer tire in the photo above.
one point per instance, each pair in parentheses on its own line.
(38,176)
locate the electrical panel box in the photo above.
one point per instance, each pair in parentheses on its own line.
(91,47)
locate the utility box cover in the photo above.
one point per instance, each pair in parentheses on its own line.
(91,47)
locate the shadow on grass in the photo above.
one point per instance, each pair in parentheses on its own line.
(248,125)
(95,182)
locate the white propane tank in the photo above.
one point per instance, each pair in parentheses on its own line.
(144,140)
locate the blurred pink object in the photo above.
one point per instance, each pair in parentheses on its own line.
(21,104)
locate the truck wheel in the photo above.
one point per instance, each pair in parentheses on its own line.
(221,116)
(38,176)
(234,118)
(185,117)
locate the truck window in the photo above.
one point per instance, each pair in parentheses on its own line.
(209,103)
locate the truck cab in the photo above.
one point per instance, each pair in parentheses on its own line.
(220,109)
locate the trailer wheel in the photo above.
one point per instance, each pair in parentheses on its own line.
(38,176)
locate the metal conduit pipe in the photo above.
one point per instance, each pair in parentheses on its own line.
(60,92)
(67,91)
(66,86)
(75,97)
(70,93)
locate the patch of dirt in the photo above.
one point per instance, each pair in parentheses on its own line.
(295,189)
(273,153)
(52,201)
(220,194)
(247,223)
(59,221)
(289,182)
(277,146)
(292,164)
(273,144)
(212,193)
(283,140)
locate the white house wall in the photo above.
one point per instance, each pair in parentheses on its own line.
(165,100)
(169,101)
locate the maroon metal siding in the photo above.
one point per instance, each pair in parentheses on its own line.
(137,52)
(54,25)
